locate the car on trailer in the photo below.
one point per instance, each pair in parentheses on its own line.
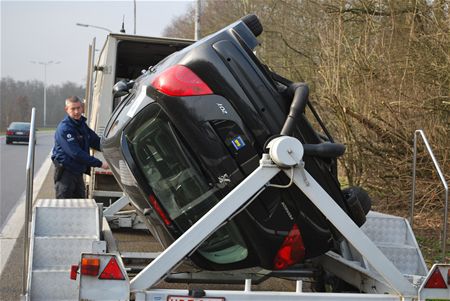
(382,262)
(195,125)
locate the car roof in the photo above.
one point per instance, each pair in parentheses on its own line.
(19,124)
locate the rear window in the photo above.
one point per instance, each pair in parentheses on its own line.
(25,126)
(178,182)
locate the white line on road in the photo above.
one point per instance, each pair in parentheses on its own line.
(16,218)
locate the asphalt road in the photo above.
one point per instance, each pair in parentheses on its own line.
(13,160)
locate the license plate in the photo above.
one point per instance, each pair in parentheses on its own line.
(19,133)
(187,298)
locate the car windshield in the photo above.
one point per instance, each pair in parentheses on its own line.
(178,182)
(24,126)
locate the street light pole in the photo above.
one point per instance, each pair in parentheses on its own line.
(197,28)
(94,26)
(45,93)
(134,9)
(45,64)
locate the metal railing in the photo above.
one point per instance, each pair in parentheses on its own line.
(28,203)
(444,183)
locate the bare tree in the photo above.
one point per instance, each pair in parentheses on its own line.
(378,71)
(18,97)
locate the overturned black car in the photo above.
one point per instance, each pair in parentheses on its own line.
(195,125)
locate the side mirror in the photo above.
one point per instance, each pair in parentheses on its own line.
(122,88)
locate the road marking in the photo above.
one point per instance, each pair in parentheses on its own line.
(14,222)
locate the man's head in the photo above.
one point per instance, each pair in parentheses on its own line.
(74,107)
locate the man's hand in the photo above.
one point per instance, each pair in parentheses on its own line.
(105,165)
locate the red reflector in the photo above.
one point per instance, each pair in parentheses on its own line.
(436,280)
(112,271)
(74,271)
(90,266)
(179,80)
(291,251)
(159,210)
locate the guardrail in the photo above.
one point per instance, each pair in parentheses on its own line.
(28,202)
(444,183)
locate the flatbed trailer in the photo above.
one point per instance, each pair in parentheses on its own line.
(64,230)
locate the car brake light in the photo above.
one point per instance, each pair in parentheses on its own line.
(9,133)
(436,280)
(159,210)
(179,80)
(112,271)
(291,251)
(90,266)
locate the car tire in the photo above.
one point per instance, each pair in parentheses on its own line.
(8,141)
(362,196)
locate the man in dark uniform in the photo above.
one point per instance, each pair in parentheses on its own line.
(70,154)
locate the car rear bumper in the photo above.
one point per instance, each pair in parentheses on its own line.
(18,138)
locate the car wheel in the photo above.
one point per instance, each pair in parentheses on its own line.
(362,196)
(8,141)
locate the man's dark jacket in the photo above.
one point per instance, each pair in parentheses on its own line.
(73,138)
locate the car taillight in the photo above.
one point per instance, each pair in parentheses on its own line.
(159,210)
(9,133)
(292,250)
(179,80)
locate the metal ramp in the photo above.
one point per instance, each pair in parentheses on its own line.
(394,237)
(61,230)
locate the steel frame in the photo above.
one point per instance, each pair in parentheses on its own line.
(285,154)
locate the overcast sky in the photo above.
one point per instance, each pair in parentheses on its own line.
(44,31)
